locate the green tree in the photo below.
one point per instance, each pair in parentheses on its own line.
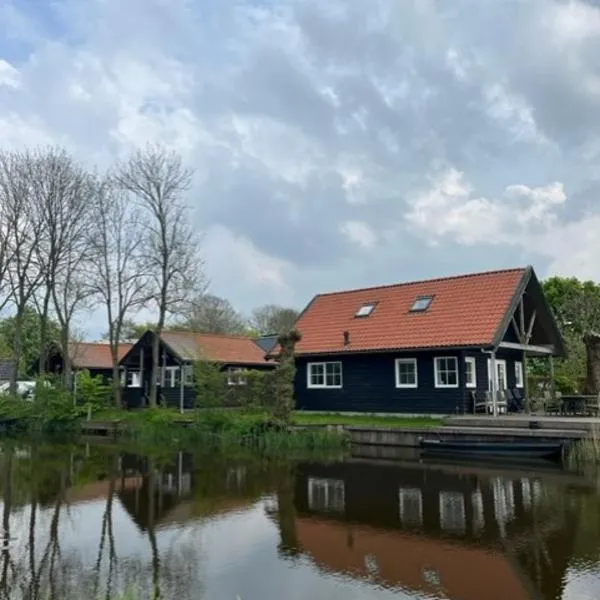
(31,338)
(576,306)
(284,375)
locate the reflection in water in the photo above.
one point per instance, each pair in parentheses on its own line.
(91,522)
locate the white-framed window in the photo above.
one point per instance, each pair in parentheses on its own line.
(519,374)
(188,374)
(326,495)
(134,379)
(324,375)
(470,372)
(406,373)
(172,376)
(410,505)
(445,371)
(236,376)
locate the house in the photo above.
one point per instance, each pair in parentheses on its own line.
(94,357)
(179,351)
(422,347)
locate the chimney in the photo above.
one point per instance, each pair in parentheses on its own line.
(346,338)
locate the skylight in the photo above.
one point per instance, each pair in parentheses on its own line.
(365,310)
(421,304)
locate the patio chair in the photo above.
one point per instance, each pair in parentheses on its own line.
(513,404)
(479,401)
(518,399)
(553,404)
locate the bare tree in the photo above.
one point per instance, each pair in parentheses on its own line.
(24,231)
(212,314)
(158,179)
(118,277)
(62,191)
(273,319)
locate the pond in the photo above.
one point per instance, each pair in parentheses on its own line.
(95,521)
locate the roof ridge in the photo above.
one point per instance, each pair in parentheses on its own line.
(107,343)
(420,281)
(223,335)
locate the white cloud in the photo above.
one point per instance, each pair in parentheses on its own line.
(449,209)
(233,261)
(359,233)
(9,76)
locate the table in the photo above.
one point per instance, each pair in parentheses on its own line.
(580,403)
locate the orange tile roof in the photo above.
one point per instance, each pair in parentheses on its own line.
(466,310)
(220,348)
(94,355)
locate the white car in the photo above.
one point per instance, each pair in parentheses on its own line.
(25,389)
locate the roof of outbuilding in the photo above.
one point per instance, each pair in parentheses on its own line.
(466,310)
(219,348)
(94,355)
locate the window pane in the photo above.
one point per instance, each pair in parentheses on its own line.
(406,373)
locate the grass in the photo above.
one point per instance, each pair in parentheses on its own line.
(303,418)
(221,429)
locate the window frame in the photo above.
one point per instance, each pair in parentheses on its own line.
(519,375)
(406,361)
(324,385)
(188,374)
(427,297)
(236,376)
(437,371)
(136,379)
(170,376)
(471,360)
(371,308)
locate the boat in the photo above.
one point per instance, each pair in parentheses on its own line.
(508,449)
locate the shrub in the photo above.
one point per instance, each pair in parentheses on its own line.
(92,391)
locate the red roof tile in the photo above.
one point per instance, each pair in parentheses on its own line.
(94,355)
(227,349)
(466,310)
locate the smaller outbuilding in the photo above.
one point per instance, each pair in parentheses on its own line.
(178,352)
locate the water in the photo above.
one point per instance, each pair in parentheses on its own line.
(91,521)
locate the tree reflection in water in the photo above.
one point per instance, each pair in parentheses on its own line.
(90,524)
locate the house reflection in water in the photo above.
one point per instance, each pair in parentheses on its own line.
(430,530)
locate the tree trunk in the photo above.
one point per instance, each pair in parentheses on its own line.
(17,351)
(44,334)
(67,374)
(592,348)
(155,356)
(116,381)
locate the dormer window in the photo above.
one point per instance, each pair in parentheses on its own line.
(421,304)
(365,310)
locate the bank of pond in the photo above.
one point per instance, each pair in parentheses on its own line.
(112,520)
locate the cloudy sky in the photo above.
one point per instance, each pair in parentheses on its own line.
(336,144)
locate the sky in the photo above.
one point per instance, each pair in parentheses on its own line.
(335,144)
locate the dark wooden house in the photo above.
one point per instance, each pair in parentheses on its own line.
(179,351)
(94,357)
(422,347)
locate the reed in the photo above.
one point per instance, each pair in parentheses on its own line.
(586,451)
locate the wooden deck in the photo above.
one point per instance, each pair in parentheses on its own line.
(532,422)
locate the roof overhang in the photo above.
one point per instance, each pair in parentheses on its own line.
(530,349)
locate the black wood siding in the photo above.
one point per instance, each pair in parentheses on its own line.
(369,385)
